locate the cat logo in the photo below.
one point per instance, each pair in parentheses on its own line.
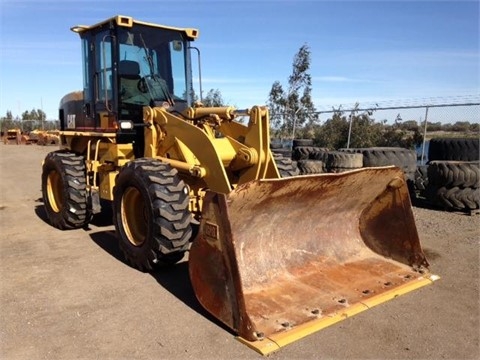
(70,121)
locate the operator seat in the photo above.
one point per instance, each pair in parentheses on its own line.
(129,73)
(129,69)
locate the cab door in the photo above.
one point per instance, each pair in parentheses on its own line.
(100,106)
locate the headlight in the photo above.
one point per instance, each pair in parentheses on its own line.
(126,124)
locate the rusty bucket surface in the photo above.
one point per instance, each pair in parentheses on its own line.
(278,256)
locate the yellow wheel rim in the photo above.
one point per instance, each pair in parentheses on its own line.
(133,216)
(55,191)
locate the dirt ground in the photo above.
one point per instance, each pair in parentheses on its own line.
(69,295)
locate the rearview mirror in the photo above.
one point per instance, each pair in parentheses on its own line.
(177,45)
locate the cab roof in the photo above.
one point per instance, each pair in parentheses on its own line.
(128,22)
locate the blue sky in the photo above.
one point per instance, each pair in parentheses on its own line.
(365,51)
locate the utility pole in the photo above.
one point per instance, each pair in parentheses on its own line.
(424,135)
(41,115)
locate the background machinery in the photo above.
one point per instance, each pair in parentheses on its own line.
(12,136)
(272,257)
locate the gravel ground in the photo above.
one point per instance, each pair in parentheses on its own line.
(69,295)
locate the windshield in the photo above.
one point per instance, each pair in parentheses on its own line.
(152,66)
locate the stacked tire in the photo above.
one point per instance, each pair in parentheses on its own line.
(286,167)
(402,158)
(405,159)
(453,174)
(317,160)
(303,153)
(454,149)
(277,148)
(302,148)
(339,161)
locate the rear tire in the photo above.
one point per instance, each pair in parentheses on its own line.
(151,214)
(64,190)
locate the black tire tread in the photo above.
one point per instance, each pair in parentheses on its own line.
(171,231)
(344,160)
(302,142)
(285,152)
(405,159)
(464,174)
(74,212)
(286,167)
(454,198)
(454,149)
(421,177)
(301,152)
(308,167)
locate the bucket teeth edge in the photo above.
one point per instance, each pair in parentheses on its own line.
(279,340)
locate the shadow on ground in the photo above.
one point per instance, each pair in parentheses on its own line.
(423,203)
(174,278)
(100,220)
(40,211)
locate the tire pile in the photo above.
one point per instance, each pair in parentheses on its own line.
(286,167)
(451,179)
(283,159)
(315,160)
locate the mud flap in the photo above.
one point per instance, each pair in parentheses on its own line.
(276,260)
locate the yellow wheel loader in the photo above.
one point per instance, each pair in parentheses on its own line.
(12,136)
(273,256)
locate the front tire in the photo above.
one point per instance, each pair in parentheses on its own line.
(151,214)
(64,190)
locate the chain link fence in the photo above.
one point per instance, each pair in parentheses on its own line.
(438,116)
(435,119)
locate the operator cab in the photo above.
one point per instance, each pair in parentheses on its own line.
(128,64)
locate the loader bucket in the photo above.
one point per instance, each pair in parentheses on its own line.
(276,260)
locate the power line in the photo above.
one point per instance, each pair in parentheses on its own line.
(419,103)
(395,108)
(414,103)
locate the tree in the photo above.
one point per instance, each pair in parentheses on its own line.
(214,98)
(410,125)
(41,115)
(397,137)
(434,126)
(461,126)
(365,131)
(294,109)
(333,133)
(276,104)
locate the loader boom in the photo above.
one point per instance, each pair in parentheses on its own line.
(240,155)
